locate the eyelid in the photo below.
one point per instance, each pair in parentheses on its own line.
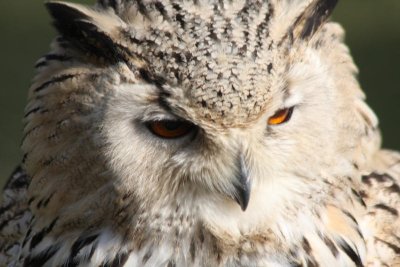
(293,100)
(156,116)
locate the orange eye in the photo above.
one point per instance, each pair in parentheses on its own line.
(170,129)
(281,116)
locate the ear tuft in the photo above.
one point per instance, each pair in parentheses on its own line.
(313,16)
(64,13)
(88,30)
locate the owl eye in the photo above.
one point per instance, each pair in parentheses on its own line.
(281,116)
(170,129)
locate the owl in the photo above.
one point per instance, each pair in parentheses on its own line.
(200,133)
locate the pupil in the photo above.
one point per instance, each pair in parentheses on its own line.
(172,125)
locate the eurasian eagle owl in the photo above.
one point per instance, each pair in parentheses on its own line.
(200,133)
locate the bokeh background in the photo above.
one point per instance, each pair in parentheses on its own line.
(373,34)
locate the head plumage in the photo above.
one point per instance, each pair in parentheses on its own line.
(94,27)
(222,54)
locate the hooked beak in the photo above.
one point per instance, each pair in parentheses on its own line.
(243,184)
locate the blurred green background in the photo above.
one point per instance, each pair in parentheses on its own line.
(373,34)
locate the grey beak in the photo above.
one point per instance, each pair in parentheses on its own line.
(243,185)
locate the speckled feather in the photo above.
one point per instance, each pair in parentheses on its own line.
(97,188)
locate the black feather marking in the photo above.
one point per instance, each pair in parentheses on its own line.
(17,180)
(354,256)
(113,4)
(27,235)
(44,201)
(39,204)
(52,57)
(119,260)
(394,188)
(92,250)
(179,17)
(71,263)
(41,258)
(359,197)
(31,200)
(102,3)
(348,214)
(192,250)
(161,8)
(5,208)
(38,237)
(395,248)
(32,111)
(330,244)
(380,178)
(295,264)
(25,156)
(47,200)
(163,100)
(311,262)
(385,207)
(147,256)
(14,217)
(262,31)
(52,81)
(142,8)
(270,67)
(80,243)
(149,77)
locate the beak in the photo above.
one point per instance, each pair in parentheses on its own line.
(243,184)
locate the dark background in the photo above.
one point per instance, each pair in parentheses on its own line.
(373,34)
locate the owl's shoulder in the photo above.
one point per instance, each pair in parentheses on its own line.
(381,192)
(15,216)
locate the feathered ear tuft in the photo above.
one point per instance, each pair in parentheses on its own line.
(302,18)
(94,32)
(313,16)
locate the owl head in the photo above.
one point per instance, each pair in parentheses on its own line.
(224,106)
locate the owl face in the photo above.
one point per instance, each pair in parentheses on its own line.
(164,136)
(224,119)
(223,103)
